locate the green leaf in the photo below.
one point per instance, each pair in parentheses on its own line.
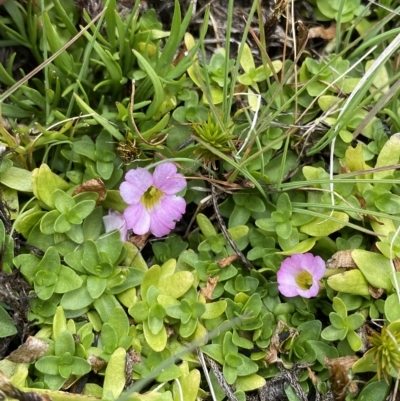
(156,342)
(375,268)
(190,384)
(230,374)
(284,205)
(64,343)
(62,225)
(255,204)
(7,326)
(321,227)
(48,365)
(283,230)
(67,281)
(375,391)
(355,321)
(205,225)
(351,282)
(337,321)
(48,221)
(323,350)
(62,201)
(96,286)
(77,299)
(114,380)
(240,215)
(392,308)
(109,338)
(389,155)
(17,178)
(45,183)
(158,96)
(340,307)
(332,334)
(119,321)
(233,360)
(249,383)
(64,60)
(80,367)
(91,258)
(176,285)
(81,211)
(354,340)
(155,318)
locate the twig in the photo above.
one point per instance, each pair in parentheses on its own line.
(220,378)
(224,230)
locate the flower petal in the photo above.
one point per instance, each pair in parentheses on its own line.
(311,292)
(136,183)
(165,214)
(167,179)
(137,218)
(115,221)
(314,264)
(289,290)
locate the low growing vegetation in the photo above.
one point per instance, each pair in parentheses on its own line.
(199,201)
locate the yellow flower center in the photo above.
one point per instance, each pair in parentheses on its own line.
(304,280)
(151,197)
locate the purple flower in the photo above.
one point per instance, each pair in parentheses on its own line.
(116,221)
(299,275)
(153,204)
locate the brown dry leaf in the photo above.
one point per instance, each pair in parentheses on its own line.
(209,288)
(30,351)
(225,262)
(341,259)
(97,363)
(281,334)
(375,292)
(140,240)
(396,262)
(321,32)
(93,185)
(302,34)
(339,377)
(313,377)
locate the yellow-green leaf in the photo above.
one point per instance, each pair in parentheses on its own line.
(375,268)
(321,227)
(351,282)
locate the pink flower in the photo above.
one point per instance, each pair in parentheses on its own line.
(116,221)
(299,275)
(153,204)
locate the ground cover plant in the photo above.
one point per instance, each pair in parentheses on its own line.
(199,201)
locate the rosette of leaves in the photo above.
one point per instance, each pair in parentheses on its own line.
(245,310)
(234,364)
(99,159)
(47,275)
(213,138)
(150,310)
(98,264)
(284,223)
(343,326)
(68,215)
(63,363)
(115,333)
(252,75)
(328,71)
(346,10)
(384,355)
(171,248)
